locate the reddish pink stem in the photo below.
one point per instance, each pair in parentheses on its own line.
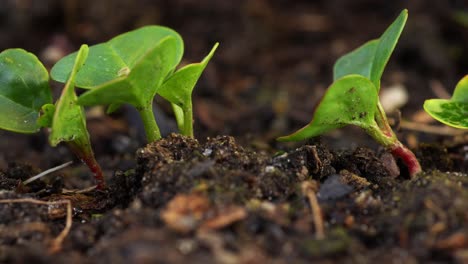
(97,172)
(408,157)
(86,155)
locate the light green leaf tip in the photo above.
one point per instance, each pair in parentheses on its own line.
(359,61)
(24,89)
(370,59)
(350,100)
(178,88)
(453,112)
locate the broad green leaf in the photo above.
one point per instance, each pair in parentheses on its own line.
(119,56)
(453,112)
(178,88)
(370,59)
(24,88)
(139,84)
(69,123)
(350,100)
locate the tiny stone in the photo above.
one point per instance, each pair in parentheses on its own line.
(269,169)
(207,152)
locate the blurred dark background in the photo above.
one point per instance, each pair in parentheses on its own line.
(274,61)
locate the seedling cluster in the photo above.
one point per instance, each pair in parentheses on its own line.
(130,68)
(134,67)
(352,99)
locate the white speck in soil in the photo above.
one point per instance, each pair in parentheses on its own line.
(207,152)
(269,169)
(185,246)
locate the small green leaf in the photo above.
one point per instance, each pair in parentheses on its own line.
(178,87)
(24,88)
(359,61)
(387,43)
(370,59)
(69,123)
(118,57)
(350,100)
(453,112)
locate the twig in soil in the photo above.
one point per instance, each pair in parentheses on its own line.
(431,129)
(44,173)
(56,244)
(85,190)
(309,189)
(318,162)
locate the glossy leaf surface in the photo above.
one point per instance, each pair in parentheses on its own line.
(370,59)
(178,88)
(118,57)
(453,112)
(138,85)
(24,89)
(68,123)
(350,100)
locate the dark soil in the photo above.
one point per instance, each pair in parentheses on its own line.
(245,198)
(220,202)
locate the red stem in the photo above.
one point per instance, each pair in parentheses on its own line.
(86,155)
(408,157)
(97,172)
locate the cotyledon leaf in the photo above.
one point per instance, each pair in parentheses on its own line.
(350,100)
(178,88)
(139,85)
(24,89)
(110,60)
(370,59)
(358,61)
(453,112)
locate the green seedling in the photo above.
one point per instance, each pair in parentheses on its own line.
(25,93)
(452,112)
(132,68)
(178,88)
(353,97)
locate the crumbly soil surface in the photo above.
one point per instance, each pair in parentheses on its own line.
(245,198)
(218,202)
